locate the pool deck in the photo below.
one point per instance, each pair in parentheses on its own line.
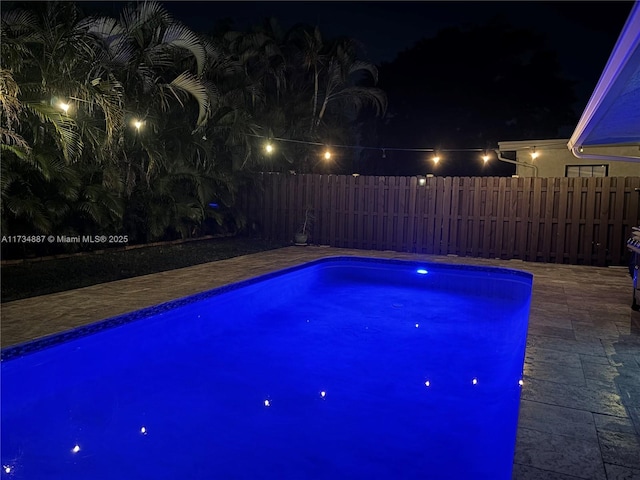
(580,407)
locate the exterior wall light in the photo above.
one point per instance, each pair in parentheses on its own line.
(534,154)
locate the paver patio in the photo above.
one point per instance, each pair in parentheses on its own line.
(580,407)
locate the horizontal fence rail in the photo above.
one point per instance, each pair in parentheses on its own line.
(581,221)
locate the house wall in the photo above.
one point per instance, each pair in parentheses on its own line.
(551,160)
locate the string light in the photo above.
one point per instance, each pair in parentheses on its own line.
(327,155)
(362,147)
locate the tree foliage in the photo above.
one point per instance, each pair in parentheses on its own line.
(137,124)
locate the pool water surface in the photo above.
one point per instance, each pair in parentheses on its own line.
(343,368)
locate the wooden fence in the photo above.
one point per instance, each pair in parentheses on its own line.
(562,220)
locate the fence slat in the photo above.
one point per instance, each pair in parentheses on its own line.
(561,242)
(589,222)
(499,232)
(603,227)
(447,217)
(535,219)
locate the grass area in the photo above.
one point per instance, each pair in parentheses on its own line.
(57,275)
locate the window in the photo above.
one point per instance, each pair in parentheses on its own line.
(586,170)
(509,155)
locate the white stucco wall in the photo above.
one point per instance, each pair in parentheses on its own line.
(554,156)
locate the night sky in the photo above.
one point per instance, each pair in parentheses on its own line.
(583,33)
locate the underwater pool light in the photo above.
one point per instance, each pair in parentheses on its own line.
(422,271)
(76,449)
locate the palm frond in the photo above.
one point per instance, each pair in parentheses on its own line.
(31,208)
(192,85)
(19,21)
(359,66)
(360,96)
(149,13)
(65,127)
(178,35)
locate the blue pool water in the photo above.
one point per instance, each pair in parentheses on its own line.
(344,368)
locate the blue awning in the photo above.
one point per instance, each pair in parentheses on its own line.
(612,116)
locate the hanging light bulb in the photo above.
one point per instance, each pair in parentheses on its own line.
(327,155)
(384,153)
(435,158)
(485,157)
(268,147)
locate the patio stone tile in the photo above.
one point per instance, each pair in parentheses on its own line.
(554,372)
(552,331)
(634,414)
(559,453)
(584,346)
(616,472)
(609,332)
(620,448)
(629,375)
(597,359)
(551,304)
(559,321)
(557,420)
(593,397)
(629,394)
(526,472)
(540,354)
(628,327)
(623,359)
(624,345)
(613,424)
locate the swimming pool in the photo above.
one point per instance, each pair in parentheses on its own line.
(343,368)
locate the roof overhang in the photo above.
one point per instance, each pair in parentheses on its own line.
(612,116)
